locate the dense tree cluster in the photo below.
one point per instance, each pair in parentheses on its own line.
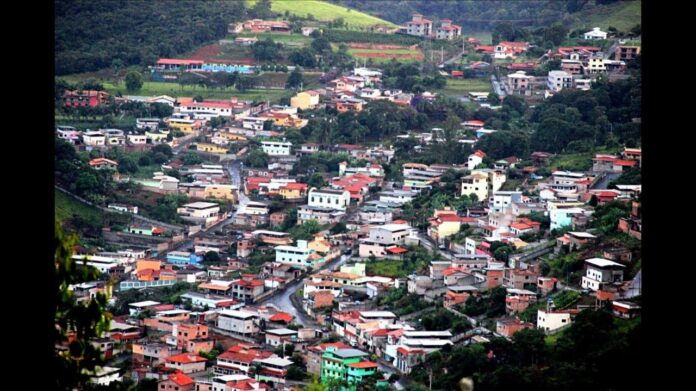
(92,35)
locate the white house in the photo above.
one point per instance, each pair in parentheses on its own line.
(236,321)
(147,123)
(596,33)
(551,321)
(276,148)
(329,198)
(558,80)
(383,237)
(136,139)
(601,271)
(475,159)
(503,200)
(68,133)
(94,138)
(199,209)
(297,255)
(397,196)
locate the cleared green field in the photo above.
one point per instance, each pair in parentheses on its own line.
(387,268)
(153,88)
(464,86)
(385,51)
(623,15)
(82,124)
(66,207)
(484,36)
(325,12)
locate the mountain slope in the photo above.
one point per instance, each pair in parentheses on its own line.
(324,11)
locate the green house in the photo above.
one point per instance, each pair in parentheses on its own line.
(346,365)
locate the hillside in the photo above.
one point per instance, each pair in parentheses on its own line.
(324,11)
(483,15)
(622,15)
(97,34)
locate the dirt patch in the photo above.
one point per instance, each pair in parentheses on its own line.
(206,52)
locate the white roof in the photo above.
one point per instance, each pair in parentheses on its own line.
(201,205)
(601,262)
(569,173)
(264,232)
(392,227)
(281,332)
(377,314)
(281,362)
(582,235)
(426,342)
(445,333)
(520,292)
(238,314)
(227,378)
(173,312)
(147,303)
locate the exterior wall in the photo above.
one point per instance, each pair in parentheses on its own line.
(276,148)
(329,200)
(235,325)
(549,321)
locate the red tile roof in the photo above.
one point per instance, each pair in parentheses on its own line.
(186,358)
(101,160)
(397,250)
(363,364)
(180,379)
(281,317)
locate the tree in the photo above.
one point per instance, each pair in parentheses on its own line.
(338,229)
(84,321)
(191,158)
(295,79)
(321,45)
(144,161)
(127,165)
(163,148)
(134,81)
(256,159)
(316,180)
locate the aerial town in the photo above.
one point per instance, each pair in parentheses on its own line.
(371,200)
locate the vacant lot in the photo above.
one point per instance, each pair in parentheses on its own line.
(460,87)
(67,206)
(153,88)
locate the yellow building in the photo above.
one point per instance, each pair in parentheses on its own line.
(221,192)
(476,184)
(156,137)
(320,244)
(305,100)
(445,223)
(212,148)
(293,191)
(184,125)
(232,136)
(143,264)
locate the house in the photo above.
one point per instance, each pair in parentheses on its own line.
(186,363)
(305,100)
(308,148)
(314,355)
(200,300)
(259,25)
(307,31)
(247,290)
(237,321)
(419,26)
(293,191)
(200,212)
(407,358)
(185,333)
(624,309)
(475,159)
(176,382)
(347,365)
(152,353)
(276,148)
(601,272)
(546,285)
(300,255)
(277,337)
(183,257)
(211,148)
(509,326)
(382,238)
(329,198)
(444,223)
(503,200)
(399,197)
(447,30)
(103,164)
(507,49)
(551,321)
(558,80)
(84,98)
(572,67)
(519,83)
(147,123)
(611,163)
(323,215)
(68,133)
(136,139)
(596,33)
(517,300)
(104,376)
(626,53)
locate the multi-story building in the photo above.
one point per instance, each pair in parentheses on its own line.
(503,200)
(240,322)
(601,272)
(199,212)
(329,198)
(558,80)
(519,83)
(347,365)
(419,26)
(382,238)
(84,98)
(447,30)
(596,33)
(300,255)
(276,148)
(305,100)
(625,53)
(247,290)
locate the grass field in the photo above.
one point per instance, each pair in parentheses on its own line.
(623,15)
(578,161)
(464,86)
(387,268)
(67,206)
(325,12)
(125,122)
(153,88)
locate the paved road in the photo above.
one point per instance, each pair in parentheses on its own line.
(282,300)
(604,182)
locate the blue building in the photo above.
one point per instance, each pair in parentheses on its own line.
(183,258)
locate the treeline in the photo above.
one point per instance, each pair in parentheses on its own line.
(96,34)
(335,35)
